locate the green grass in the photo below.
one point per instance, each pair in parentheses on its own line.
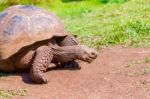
(10,93)
(147,59)
(126,24)
(97,24)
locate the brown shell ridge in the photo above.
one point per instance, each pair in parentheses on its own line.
(27,27)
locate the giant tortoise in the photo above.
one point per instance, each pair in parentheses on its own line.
(34,39)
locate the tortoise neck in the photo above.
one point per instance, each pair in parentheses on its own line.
(64,54)
(69,40)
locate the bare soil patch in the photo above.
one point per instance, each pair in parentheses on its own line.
(118,73)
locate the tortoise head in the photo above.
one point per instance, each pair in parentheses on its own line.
(86,54)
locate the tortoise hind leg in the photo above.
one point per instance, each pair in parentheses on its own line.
(43,56)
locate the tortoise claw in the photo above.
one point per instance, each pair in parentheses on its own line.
(39,78)
(44,79)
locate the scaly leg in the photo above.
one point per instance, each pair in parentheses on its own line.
(43,56)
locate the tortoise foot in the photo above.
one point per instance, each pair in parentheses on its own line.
(39,78)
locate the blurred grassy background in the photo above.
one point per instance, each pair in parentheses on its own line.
(100,22)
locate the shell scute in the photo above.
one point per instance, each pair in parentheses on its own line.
(40,23)
(13,23)
(20,28)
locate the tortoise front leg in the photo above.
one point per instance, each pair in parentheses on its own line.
(43,56)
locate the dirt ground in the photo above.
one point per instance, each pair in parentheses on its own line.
(117,73)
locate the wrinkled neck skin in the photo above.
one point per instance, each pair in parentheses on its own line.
(64,54)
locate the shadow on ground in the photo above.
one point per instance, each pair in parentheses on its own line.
(26,77)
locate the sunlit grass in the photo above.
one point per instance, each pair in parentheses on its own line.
(97,24)
(10,93)
(126,24)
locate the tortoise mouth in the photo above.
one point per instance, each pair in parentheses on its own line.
(89,58)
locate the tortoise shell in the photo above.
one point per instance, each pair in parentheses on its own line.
(23,25)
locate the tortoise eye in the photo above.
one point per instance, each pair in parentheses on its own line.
(75,35)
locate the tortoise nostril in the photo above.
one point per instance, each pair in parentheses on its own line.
(94,54)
